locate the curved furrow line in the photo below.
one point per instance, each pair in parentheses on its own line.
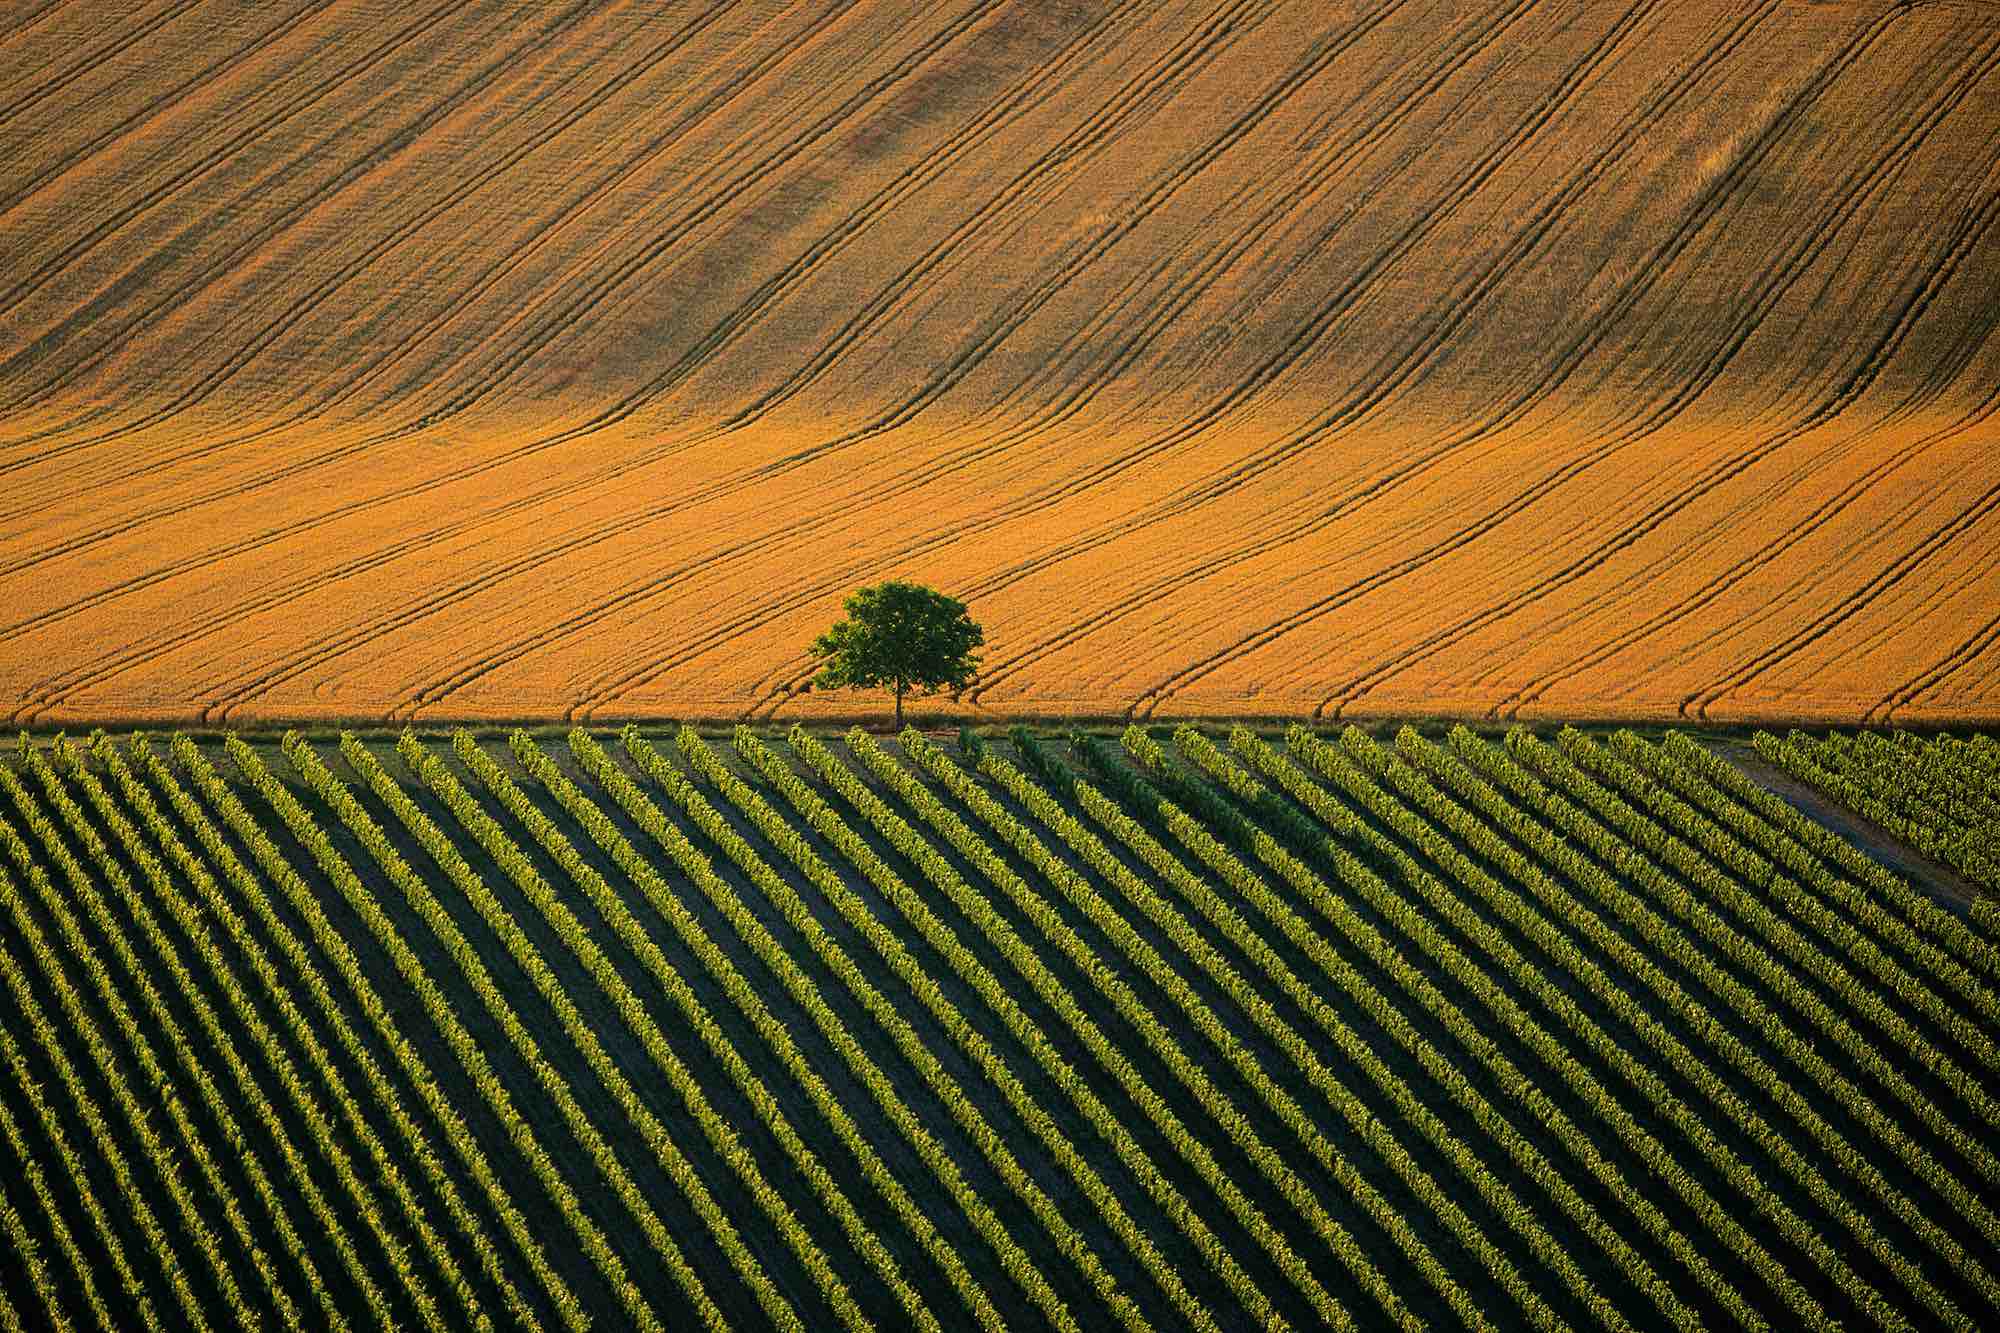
(574,212)
(217,376)
(641,673)
(1183,502)
(1400,368)
(1774,281)
(238,548)
(1969,233)
(28,22)
(1003,110)
(1151,92)
(248,241)
(244,546)
(1881,582)
(911,179)
(26,284)
(1078,383)
(518,255)
(601,282)
(1191,497)
(436,599)
(1804,253)
(1960,657)
(127,38)
(1080,254)
(883,304)
(657,144)
(165,101)
(570,626)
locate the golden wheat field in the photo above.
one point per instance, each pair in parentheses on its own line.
(453,359)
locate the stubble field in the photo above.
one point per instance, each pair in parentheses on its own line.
(455,360)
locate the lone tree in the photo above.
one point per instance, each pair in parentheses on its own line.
(902,636)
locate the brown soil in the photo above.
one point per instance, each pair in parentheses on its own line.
(1521,357)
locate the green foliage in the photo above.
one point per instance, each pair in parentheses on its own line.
(1558,1034)
(899,636)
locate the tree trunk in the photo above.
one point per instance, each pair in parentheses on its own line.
(899,707)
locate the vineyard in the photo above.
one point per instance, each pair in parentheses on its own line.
(1313,1030)
(369,362)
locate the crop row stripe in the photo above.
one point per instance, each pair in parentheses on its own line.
(1978,954)
(321,1130)
(1068,1239)
(91,961)
(1282,1034)
(1668,941)
(156,1153)
(1656,842)
(197,874)
(614,911)
(130,1284)
(1416,924)
(1019,1266)
(1680,762)
(1498,1194)
(976,850)
(252,1095)
(306,903)
(1700,840)
(470,1054)
(1205,847)
(721,1135)
(1331,763)
(961,960)
(1697,1071)
(1065,826)
(28,1253)
(1801,756)
(45,1198)
(425,904)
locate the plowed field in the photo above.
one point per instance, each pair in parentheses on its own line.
(458,359)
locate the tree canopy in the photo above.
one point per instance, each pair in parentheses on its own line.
(899,636)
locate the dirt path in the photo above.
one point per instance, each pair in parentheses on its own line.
(1941,881)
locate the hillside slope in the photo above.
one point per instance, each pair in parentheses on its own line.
(460,358)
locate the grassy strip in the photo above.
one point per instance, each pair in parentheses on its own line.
(471,1055)
(307,972)
(1691,776)
(946,944)
(1019,1266)
(51,1313)
(1704,847)
(1666,941)
(1417,926)
(1821,766)
(470,965)
(1219,1108)
(1698,1071)
(87,956)
(627,927)
(1332,763)
(158,1155)
(720,1135)
(324,1137)
(1655,842)
(86,1272)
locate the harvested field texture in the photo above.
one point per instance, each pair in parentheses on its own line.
(460,359)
